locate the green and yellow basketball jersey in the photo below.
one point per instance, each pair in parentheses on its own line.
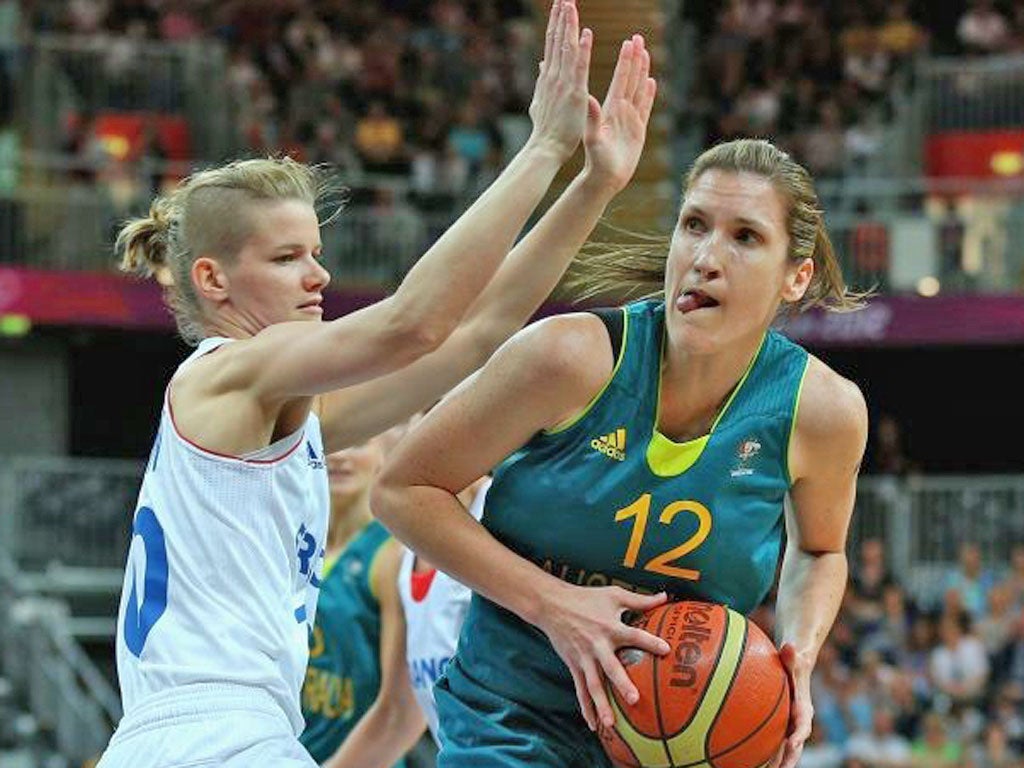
(607,499)
(343,676)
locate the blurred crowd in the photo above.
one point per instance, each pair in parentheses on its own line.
(427,91)
(903,683)
(822,77)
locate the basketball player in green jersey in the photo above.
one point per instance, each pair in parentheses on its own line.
(649,449)
(354,609)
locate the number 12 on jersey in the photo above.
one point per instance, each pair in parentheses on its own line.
(640,510)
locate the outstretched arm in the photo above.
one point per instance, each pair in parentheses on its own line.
(291,360)
(828,444)
(614,140)
(394,721)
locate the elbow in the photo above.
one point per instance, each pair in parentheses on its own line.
(384,497)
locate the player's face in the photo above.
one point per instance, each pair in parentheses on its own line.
(278,276)
(727,267)
(351,471)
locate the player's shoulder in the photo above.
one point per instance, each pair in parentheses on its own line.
(574,346)
(832,413)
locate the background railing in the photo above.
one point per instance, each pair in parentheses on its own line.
(83,76)
(61,519)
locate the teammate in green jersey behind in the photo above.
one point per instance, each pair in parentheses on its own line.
(646,450)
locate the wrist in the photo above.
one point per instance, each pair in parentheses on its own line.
(600,185)
(540,599)
(545,151)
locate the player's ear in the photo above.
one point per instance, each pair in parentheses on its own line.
(210,279)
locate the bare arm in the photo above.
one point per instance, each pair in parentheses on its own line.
(614,140)
(394,722)
(292,360)
(828,445)
(543,375)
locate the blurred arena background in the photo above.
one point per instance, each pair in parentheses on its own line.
(910,115)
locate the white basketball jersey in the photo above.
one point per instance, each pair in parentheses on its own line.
(432,623)
(224,566)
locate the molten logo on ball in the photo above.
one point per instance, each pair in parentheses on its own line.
(688,653)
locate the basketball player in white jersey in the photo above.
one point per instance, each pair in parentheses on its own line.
(222,575)
(416,644)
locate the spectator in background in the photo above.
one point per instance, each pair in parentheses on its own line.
(871,577)
(11,232)
(379,140)
(996,628)
(996,750)
(889,455)
(907,706)
(972,580)
(869,242)
(892,631)
(470,139)
(1008,711)
(983,29)
(1015,579)
(828,685)
(11,23)
(819,752)
(866,63)
(1015,674)
(864,140)
(959,666)
(916,657)
(899,34)
(935,748)
(882,747)
(823,144)
(951,232)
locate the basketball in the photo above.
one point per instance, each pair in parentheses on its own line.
(719,699)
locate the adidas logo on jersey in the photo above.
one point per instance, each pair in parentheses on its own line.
(612,445)
(314,461)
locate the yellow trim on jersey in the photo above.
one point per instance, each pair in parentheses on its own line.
(666,457)
(371,572)
(329,563)
(796,410)
(572,420)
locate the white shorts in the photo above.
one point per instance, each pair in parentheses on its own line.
(203,726)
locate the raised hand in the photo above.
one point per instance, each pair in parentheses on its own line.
(615,132)
(585,627)
(559,106)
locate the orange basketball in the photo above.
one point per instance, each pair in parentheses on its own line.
(719,699)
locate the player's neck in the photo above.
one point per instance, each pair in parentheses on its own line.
(695,388)
(233,325)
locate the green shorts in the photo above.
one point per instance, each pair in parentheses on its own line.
(480,729)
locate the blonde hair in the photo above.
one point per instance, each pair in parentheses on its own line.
(208,214)
(636,267)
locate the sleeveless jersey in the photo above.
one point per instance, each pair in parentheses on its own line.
(343,677)
(223,569)
(432,623)
(607,499)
